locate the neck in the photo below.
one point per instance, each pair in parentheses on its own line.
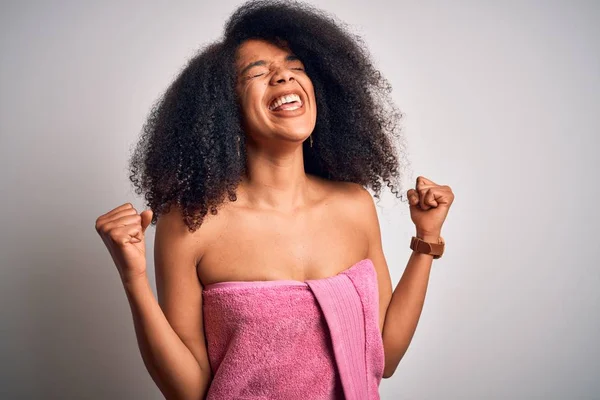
(275,178)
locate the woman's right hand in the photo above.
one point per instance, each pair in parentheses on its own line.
(122,231)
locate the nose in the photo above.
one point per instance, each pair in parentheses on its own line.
(281,75)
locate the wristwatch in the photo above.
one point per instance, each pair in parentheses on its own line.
(421,246)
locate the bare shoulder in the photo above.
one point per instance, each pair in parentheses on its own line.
(352,196)
(362,206)
(354,201)
(174,232)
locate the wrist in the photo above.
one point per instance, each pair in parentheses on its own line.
(429,237)
(132,284)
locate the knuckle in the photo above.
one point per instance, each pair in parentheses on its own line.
(102,229)
(114,235)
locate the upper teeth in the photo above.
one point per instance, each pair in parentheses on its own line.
(289,98)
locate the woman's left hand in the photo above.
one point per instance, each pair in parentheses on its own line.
(429,205)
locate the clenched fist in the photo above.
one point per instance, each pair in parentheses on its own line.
(429,204)
(122,231)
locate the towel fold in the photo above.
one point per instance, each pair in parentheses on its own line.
(288,339)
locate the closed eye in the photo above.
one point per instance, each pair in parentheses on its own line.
(257,75)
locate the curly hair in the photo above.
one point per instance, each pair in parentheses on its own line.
(192,147)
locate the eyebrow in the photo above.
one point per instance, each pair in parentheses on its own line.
(291,57)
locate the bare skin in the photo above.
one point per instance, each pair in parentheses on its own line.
(318,239)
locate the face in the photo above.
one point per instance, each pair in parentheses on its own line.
(276,96)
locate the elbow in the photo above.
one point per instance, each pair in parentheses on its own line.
(389,370)
(391,365)
(394,352)
(387,373)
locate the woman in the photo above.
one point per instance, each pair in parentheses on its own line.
(287,116)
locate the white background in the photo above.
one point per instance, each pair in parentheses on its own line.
(501,102)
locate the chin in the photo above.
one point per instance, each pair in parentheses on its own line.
(298,135)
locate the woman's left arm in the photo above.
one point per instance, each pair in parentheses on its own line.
(400,311)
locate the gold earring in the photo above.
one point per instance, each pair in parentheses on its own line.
(311,140)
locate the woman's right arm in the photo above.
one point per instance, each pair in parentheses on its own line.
(170,363)
(169,331)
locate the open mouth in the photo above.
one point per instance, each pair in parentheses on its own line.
(288,102)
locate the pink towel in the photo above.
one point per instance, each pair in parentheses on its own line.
(287,339)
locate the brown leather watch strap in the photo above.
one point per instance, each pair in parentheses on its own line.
(421,246)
